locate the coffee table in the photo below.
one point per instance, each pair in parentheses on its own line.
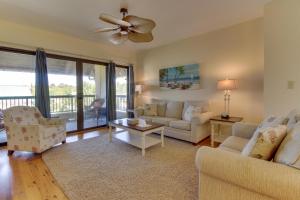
(136,135)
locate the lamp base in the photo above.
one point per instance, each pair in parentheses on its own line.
(225,115)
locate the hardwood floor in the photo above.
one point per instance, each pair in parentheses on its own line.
(24,176)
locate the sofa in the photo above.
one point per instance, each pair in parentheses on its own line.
(171,114)
(225,174)
(28,130)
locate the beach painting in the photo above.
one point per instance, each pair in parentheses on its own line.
(181,77)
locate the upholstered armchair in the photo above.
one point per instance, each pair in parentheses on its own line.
(28,130)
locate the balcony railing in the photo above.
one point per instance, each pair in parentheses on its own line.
(58,103)
(121,103)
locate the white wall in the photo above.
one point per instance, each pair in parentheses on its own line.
(282,57)
(234,52)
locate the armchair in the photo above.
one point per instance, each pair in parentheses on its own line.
(95,110)
(28,130)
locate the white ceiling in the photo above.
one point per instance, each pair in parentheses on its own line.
(175,19)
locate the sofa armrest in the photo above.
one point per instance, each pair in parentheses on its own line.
(17,133)
(202,118)
(139,111)
(264,177)
(244,130)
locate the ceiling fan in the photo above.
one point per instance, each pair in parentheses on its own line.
(130,27)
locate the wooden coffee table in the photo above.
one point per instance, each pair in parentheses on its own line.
(135,135)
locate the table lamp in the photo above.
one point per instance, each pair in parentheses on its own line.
(227,85)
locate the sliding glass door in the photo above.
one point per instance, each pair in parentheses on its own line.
(94,95)
(63,91)
(77,93)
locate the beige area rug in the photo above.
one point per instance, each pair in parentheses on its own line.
(95,169)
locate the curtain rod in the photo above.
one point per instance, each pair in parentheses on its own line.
(33,48)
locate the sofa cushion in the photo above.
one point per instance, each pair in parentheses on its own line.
(268,142)
(235,143)
(163,120)
(229,149)
(161,107)
(289,150)
(268,122)
(174,109)
(150,109)
(181,124)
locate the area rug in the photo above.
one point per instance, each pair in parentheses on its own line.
(95,169)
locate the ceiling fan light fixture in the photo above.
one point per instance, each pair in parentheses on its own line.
(123,32)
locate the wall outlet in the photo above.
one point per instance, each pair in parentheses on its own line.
(290,85)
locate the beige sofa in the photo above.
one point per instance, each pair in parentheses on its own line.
(226,175)
(170,113)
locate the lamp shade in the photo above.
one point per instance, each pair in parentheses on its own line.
(227,84)
(138,89)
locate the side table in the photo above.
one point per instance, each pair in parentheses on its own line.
(216,122)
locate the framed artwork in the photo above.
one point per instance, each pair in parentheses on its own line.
(180,77)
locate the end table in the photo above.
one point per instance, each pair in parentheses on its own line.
(216,122)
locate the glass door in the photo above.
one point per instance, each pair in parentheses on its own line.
(63,91)
(94,95)
(121,91)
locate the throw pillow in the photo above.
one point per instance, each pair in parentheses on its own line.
(271,121)
(161,107)
(292,119)
(203,104)
(150,109)
(289,150)
(267,142)
(190,112)
(268,122)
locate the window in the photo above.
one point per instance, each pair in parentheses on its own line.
(17,83)
(77,88)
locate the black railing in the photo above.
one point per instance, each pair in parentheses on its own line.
(58,103)
(121,103)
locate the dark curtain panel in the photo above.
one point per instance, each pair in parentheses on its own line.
(130,91)
(42,101)
(111,91)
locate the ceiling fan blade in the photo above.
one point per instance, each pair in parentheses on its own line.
(140,25)
(105,29)
(113,20)
(118,38)
(140,37)
(144,28)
